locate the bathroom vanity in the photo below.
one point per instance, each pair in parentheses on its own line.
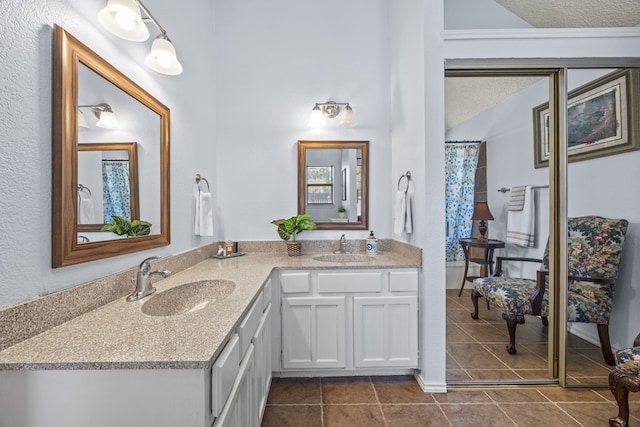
(210,363)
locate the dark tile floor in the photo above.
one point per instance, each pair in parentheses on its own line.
(475,351)
(476,348)
(399,401)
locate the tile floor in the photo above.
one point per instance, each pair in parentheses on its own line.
(475,351)
(399,401)
(476,348)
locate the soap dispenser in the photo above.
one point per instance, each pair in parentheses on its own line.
(372,244)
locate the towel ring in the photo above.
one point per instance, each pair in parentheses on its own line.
(202,178)
(82,188)
(408,177)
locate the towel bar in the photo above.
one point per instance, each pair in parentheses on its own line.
(505,189)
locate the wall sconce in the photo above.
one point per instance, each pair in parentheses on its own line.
(482,213)
(106,118)
(82,120)
(123,18)
(330,110)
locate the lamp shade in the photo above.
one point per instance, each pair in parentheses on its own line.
(122,18)
(107,120)
(348,117)
(316,118)
(82,120)
(162,57)
(481,212)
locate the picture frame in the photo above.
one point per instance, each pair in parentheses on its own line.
(603,119)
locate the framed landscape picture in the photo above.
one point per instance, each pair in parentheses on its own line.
(602,119)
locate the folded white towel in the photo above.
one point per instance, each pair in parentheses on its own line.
(203,221)
(86,213)
(408,224)
(521,224)
(516,198)
(399,210)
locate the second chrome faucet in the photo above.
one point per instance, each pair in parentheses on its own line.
(343,246)
(143,280)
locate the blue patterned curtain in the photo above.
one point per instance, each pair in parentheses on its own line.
(116,189)
(461,160)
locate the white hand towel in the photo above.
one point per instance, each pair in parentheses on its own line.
(400,207)
(86,213)
(521,224)
(203,221)
(411,190)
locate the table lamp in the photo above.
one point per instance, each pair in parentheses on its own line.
(482,213)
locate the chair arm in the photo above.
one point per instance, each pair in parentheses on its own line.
(499,260)
(538,295)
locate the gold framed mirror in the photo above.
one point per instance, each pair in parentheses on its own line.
(107,183)
(77,70)
(333,183)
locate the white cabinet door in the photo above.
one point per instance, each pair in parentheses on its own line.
(237,410)
(262,343)
(313,332)
(385,331)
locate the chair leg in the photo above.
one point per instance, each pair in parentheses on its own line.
(545,320)
(475,295)
(513,319)
(603,333)
(618,383)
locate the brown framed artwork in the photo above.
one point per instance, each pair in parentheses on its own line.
(603,118)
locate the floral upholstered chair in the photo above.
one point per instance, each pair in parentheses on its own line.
(594,251)
(625,377)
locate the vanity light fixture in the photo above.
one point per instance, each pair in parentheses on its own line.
(330,110)
(106,118)
(123,18)
(82,121)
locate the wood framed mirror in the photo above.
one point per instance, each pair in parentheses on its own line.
(82,80)
(333,183)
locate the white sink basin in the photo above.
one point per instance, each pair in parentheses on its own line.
(344,258)
(188,297)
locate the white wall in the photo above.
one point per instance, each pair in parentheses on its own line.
(25,125)
(595,187)
(417,84)
(274,61)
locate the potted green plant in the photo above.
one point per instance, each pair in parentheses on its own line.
(342,212)
(288,229)
(123,227)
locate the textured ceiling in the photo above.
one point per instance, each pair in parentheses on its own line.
(575,13)
(468,96)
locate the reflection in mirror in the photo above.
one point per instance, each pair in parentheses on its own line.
(107,184)
(82,78)
(333,183)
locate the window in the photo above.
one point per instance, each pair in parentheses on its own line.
(319,184)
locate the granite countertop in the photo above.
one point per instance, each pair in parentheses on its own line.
(119,336)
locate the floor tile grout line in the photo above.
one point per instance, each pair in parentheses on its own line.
(375,393)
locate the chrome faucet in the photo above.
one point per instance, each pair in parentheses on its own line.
(143,281)
(343,246)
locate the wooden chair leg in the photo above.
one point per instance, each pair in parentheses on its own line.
(475,295)
(603,333)
(620,392)
(513,319)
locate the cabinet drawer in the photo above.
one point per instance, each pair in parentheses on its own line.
(249,324)
(350,282)
(295,282)
(223,374)
(403,281)
(266,292)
